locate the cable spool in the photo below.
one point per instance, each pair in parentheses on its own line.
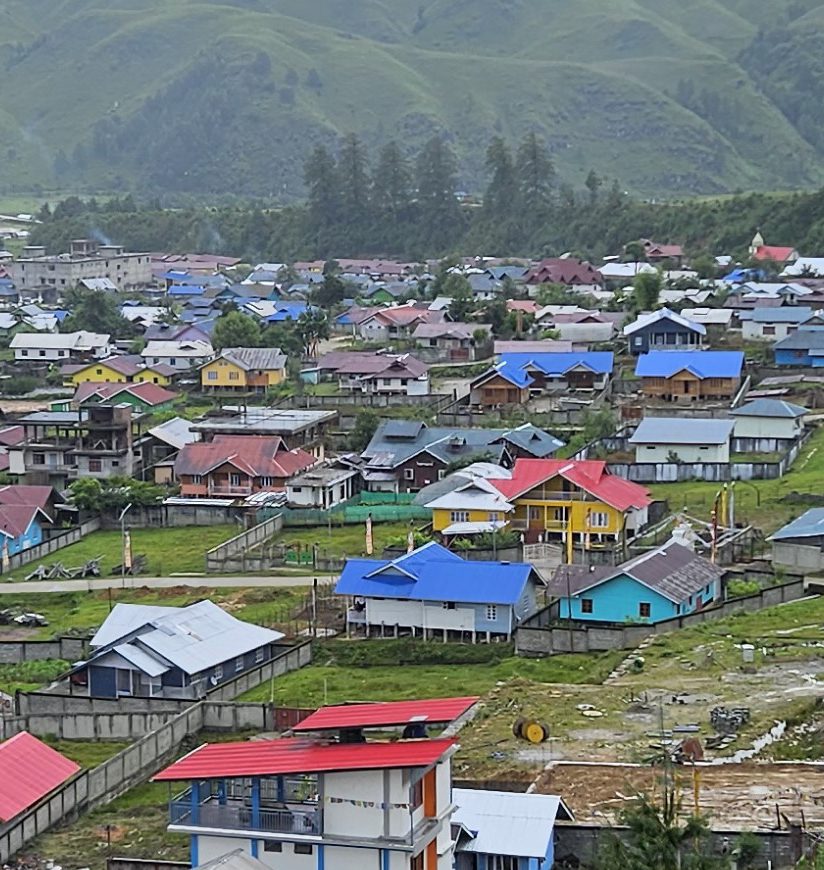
(531,730)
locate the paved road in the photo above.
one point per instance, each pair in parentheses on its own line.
(276,581)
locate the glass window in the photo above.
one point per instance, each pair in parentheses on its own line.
(259,655)
(211,376)
(491,612)
(272,846)
(645,609)
(599,519)
(303,849)
(459,516)
(409,474)
(96,465)
(586,605)
(239,664)
(218,672)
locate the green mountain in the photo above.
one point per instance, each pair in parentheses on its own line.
(672,97)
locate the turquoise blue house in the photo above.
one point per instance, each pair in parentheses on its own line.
(804,348)
(664,583)
(20,527)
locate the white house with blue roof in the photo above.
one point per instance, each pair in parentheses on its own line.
(432,592)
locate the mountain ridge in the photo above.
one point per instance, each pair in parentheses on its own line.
(214,97)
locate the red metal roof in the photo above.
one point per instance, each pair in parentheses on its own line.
(386,713)
(589,475)
(30,770)
(776,253)
(300,755)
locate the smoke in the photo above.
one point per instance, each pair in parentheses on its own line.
(99,236)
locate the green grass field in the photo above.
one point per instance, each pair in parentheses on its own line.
(169,551)
(765,503)
(30,675)
(349,540)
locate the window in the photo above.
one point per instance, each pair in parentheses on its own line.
(459,516)
(296,488)
(502,862)
(769,330)
(448,605)
(599,519)
(211,376)
(96,465)
(645,609)
(535,512)
(267,481)
(38,459)
(409,474)
(259,655)
(586,605)
(303,848)
(218,672)
(417,793)
(115,463)
(24,353)
(234,376)
(441,473)
(42,353)
(494,517)
(98,371)
(239,664)
(196,478)
(272,846)
(417,862)
(234,479)
(492,612)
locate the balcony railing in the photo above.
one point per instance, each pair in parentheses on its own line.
(293,819)
(230,490)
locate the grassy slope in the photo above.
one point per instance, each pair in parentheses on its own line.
(590,75)
(169,551)
(774,509)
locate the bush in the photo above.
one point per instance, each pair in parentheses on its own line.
(407,651)
(740,588)
(19,385)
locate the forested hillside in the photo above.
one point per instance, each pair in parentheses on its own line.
(669,96)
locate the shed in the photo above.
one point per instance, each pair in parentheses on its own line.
(682,439)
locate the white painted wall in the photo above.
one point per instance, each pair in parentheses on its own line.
(768,427)
(414,613)
(685,452)
(755,331)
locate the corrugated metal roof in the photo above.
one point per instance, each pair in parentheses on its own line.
(141,659)
(651,317)
(769,408)
(808,525)
(236,860)
(702,363)
(126,618)
(298,755)
(682,430)
(507,823)
(386,713)
(30,770)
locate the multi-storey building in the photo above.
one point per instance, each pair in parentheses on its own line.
(85,259)
(332,801)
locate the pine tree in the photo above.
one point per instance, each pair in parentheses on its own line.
(440,220)
(324,200)
(536,181)
(353,184)
(391,197)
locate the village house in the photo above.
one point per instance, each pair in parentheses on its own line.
(803,348)
(47,347)
(664,583)
(296,427)
(376,373)
(161,444)
(759,294)
(61,446)
(452,342)
(407,455)
(656,252)
(324,486)
(142,396)
(244,369)
(475,507)
(663,330)
(521,376)
(576,502)
(781,255)
(799,546)
(118,370)
(237,465)
(691,375)
(580,327)
(767,425)
(487,836)
(31,769)
(682,439)
(399,322)
(181,355)
(25,511)
(777,322)
(577,275)
(86,258)
(171,652)
(339,800)
(716,321)
(432,592)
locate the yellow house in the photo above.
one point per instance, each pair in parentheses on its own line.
(576,502)
(244,369)
(118,370)
(470,509)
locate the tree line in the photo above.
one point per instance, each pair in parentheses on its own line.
(391,204)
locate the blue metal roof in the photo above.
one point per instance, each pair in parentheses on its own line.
(433,573)
(808,525)
(702,363)
(288,311)
(769,408)
(781,314)
(186,290)
(515,366)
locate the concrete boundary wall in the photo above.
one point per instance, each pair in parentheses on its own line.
(547,633)
(230,555)
(14,652)
(76,717)
(33,554)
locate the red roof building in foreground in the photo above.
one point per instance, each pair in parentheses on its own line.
(348,804)
(386,714)
(29,770)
